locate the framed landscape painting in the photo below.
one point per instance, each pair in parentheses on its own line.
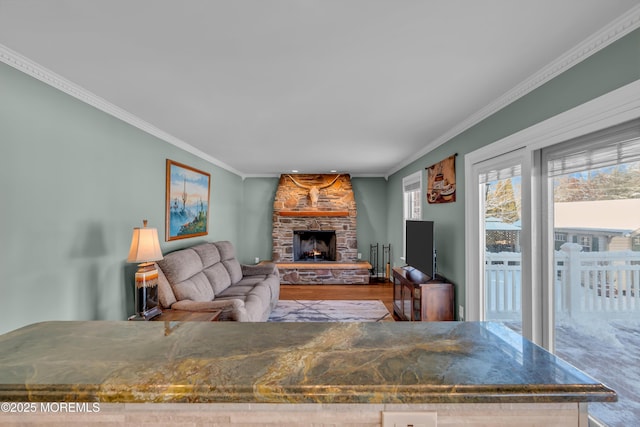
(187,201)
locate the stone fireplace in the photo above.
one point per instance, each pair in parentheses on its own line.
(314,230)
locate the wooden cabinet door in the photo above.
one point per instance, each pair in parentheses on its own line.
(437,302)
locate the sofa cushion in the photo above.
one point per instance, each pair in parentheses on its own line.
(226,249)
(180,265)
(196,288)
(209,254)
(236,291)
(228,257)
(234,269)
(218,277)
(251,281)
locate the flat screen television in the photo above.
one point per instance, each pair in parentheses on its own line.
(419,250)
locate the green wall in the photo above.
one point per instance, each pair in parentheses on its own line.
(371,202)
(609,69)
(74,181)
(257,219)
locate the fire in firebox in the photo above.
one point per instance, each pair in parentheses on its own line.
(314,245)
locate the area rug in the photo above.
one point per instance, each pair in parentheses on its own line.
(330,311)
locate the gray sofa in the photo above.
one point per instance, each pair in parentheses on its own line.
(208,277)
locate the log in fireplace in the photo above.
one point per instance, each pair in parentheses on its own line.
(314,245)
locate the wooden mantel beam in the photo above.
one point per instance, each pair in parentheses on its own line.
(313,213)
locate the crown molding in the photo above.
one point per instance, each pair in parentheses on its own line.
(615,30)
(27,66)
(277,175)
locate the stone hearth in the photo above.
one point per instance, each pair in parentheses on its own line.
(324,273)
(317,203)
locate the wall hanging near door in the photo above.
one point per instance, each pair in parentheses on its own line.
(187,197)
(441,181)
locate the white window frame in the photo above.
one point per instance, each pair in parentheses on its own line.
(611,109)
(560,236)
(586,242)
(409,182)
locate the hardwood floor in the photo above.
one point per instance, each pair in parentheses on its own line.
(376,291)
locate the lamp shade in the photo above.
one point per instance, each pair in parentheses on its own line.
(145,246)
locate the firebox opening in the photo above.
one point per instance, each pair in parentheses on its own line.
(314,245)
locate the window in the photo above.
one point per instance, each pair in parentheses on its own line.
(585,242)
(560,237)
(412,190)
(412,201)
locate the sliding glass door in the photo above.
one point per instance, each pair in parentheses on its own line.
(502,222)
(499,268)
(594,234)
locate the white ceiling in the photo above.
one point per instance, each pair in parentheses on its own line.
(267,86)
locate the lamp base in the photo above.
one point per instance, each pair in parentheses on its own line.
(146,298)
(147,315)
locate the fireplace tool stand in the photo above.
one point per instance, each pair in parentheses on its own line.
(380,272)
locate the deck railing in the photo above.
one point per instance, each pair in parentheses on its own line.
(586,283)
(503,290)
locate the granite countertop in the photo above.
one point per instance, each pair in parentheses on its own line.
(386,362)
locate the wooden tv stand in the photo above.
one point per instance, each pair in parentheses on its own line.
(418,297)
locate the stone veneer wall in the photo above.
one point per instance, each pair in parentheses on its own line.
(335,209)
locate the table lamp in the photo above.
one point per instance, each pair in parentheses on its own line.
(145,249)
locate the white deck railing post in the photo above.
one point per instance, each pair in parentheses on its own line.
(573,278)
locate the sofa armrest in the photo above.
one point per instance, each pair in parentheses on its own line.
(262,269)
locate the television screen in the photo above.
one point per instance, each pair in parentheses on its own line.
(419,249)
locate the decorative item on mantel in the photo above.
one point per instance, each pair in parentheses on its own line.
(145,249)
(314,190)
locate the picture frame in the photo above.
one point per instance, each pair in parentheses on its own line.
(187,201)
(441,181)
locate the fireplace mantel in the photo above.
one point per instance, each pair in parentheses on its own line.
(314,213)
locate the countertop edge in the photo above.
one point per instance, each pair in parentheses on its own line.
(531,393)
